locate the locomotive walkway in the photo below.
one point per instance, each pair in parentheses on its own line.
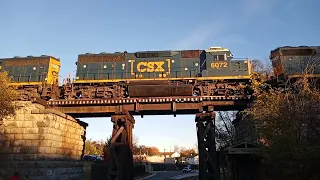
(148,106)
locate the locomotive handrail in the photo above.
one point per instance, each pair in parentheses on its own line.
(128,75)
(20,78)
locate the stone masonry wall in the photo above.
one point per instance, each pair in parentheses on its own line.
(42,144)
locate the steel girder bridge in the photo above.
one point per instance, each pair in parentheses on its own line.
(121,112)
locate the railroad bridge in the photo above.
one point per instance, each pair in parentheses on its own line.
(149,106)
(121,112)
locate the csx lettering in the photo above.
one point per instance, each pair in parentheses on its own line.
(219,65)
(150,66)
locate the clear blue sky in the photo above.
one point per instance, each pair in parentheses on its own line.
(249,28)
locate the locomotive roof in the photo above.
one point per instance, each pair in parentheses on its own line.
(30,57)
(211,49)
(295,47)
(122,53)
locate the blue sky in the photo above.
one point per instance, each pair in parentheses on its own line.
(64,29)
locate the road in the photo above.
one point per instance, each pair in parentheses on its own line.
(163,175)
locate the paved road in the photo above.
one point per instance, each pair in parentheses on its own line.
(163,175)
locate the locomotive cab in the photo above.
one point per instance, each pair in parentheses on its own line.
(218,54)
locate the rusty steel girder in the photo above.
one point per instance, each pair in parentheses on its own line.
(208,156)
(149,106)
(120,165)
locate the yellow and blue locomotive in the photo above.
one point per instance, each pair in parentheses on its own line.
(210,72)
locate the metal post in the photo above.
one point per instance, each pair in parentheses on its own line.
(120,165)
(208,164)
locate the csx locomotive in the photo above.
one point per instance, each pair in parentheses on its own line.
(290,63)
(158,74)
(33,77)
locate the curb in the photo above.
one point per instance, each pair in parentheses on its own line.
(147,176)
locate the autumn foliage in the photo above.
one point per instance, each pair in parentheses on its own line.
(7,96)
(288,123)
(94,147)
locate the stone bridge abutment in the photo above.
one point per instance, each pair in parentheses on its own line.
(42,144)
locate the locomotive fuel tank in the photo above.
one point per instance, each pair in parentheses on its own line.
(158,89)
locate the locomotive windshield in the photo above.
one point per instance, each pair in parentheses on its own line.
(297,52)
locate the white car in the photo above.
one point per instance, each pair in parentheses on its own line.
(186,170)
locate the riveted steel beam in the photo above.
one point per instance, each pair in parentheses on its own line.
(120,164)
(147,106)
(208,156)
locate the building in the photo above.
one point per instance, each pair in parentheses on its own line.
(192,160)
(162,157)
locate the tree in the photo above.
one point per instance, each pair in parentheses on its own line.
(108,142)
(261,67)
(225,131)
(135,140)
(97,147)
(7,97)
(152,151)
(195,147)
(188,153)
(288,124)
(90,148)
(176,148)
